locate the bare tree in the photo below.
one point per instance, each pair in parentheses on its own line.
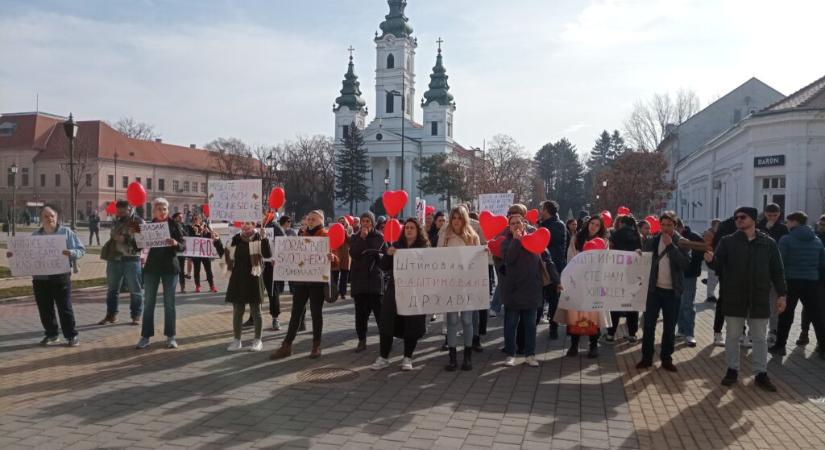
(136,130)
(648,123)
(85,165)
(507,168)
(233,159)
(305,169)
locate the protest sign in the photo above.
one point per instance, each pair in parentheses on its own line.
(298,258)
(439,280)
(199,248)
(420,209)
(497,204)
(233,200)
(38,255)
(608,280)
(152,235)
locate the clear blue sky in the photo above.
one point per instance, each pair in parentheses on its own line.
(265,71)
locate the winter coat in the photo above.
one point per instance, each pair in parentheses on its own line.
(747,268)
(626,239)
(245,288)
(803,255)
(522,284)
(679,261)
(694,269)
(342,253)
(365,275)
(776,232)
(404,327)
(126,250)
(163,260)
(558,239)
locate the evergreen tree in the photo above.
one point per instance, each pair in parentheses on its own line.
(617,145)
(562,174)
(603,153)
(352,167)
(442,177)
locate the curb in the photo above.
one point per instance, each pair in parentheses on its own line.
(25,298)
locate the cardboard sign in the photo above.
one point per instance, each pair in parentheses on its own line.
(420,209)
(197,247)
(233,200)
(439,280)
(298,258)
(38,255)
(152,235)
(497,204)
(608,280)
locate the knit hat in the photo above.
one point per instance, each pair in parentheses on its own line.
(369,215)
(749,210)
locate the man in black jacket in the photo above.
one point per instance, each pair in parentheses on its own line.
(773,225)
(687,311)
(749,262)
(556,246)
(664,291)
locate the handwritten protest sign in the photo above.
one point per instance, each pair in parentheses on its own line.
(495,203)
(232,200)
(199,248)
(152,235)
(300,258)
(38,255)
(420,209)
(609,280)
(439,280)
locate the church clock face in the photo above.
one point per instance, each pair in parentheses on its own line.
(379,136)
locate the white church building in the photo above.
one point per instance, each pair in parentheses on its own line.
(394,139)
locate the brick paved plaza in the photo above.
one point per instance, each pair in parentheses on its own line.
(105,394)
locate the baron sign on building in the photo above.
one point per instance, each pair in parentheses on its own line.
(769,161)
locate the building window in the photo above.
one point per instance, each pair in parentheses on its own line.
(10,179)
(42,180)
(161,184)
(175,186)
(390,61)
(203,188)
(149,183)
(185,186)
(7,128)
(390,103)
(450,128)
(57,180)
(434,128)
(25,178)
(737,115)
(110,181)
(137,179)
(125,181)
(346,131)
(88,179)
(88,206)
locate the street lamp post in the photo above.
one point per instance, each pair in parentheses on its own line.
(386,183)
(70,127)
(13,173)
(401,94)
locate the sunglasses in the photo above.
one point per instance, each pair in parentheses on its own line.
(741,217)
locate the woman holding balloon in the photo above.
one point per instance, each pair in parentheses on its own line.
(366,279)
(340,269)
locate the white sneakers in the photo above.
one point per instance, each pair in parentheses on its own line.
(257,345)
(718,340)
(171,342)
(544,321)
(235,346)
(406,364)
(690,341)
(531,361)
(510,361)
(380,364)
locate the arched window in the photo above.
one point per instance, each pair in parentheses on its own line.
(390,61)
(390,103)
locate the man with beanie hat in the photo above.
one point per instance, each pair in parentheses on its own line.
(749,262)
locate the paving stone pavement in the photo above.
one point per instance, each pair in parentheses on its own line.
(105,394)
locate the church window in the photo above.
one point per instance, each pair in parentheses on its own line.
(390,103)
(450,128)
(390,61)
(434,128)
(346,130)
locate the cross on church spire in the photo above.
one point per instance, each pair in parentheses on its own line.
(439,41)
(350,50)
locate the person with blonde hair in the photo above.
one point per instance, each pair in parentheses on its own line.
(457,232)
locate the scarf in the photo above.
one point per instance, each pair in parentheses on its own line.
(255,258)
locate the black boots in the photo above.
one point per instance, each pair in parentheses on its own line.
(477,344)
(554,331)
(453,360)
(468,359)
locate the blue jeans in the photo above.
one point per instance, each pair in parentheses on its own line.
(116,271)
(759,335)
(466,327)
(151,282)
(511,323)
(687,311)
(495,305)
(666,301)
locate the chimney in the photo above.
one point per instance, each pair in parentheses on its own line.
(158,140)
(192,146)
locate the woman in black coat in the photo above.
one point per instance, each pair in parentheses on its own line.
(245,258)
(365,277)
(408,328)
(625,237)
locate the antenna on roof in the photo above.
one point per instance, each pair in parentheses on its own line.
(37,102)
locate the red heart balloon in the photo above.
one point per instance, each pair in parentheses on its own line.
(111,208)
(594,244)
(394,202)
(135,194)
(623,211)
(429,210)
(205,210)
(350,220)
(491,225)
(392,230)
(607,218)
(337,235)
(277,198)
(532,216)
(237,224)
(655,226)
(495,246)
(537,241)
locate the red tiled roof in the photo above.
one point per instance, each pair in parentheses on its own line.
(32,131)
(811,96)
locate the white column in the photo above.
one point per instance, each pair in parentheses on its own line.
(393,179)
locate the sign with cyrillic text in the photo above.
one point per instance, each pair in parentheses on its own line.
(199,248)
(606,280)
(235,200)
(299,258)
(38,255)
(152,235)
(497,204)
(439,280)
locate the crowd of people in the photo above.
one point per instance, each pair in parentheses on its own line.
(763,268)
